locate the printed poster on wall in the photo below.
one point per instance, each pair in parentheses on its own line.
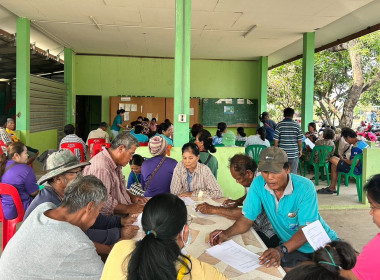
(121,106)
(126,116)
(127,107)
(133,107)
(229,110)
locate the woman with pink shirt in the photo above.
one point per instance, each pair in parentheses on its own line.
(368,262)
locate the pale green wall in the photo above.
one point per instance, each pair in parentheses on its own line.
(226,182)
(112,76)
(44,140)
(370,166)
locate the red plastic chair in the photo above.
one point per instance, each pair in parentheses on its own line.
(9,226)
(1,147)
(99,147)
(95,141)
(143,144)
(74,146)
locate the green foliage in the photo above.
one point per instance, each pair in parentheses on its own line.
(333,79)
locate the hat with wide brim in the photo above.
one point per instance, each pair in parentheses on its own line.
(60,162)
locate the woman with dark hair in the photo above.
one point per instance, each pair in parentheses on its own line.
(258,139)
(117,123)
(135,175)
(153,126)
(138,133)
(312,132)
(241,135)
(164,130)
(218,138)
(204,142)
(191,178)
(328,263)
(268,124)
(158,255)
(195,129)
(368,262)
(14,171)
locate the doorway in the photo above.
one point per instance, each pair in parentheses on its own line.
(88,114)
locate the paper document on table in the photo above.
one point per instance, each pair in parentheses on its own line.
(235,255)
(187,200)
(138,222)
(309,143)
(316,235)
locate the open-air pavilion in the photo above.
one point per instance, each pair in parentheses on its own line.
(180,49)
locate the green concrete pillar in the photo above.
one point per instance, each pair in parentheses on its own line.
(23,78)
(307,79)
(263,80)
(68,79)
(182,71)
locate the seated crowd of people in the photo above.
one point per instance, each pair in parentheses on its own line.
(81,213)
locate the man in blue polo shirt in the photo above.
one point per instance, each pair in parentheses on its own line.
(290,202)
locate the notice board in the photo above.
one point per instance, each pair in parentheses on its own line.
(150,107)
(160,108)
(234,112)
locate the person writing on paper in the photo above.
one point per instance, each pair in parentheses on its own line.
(289,200)
(191,178)
(243,169)
(158,255)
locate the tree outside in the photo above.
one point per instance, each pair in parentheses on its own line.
(346,75)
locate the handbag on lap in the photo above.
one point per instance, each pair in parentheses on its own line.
(137,189)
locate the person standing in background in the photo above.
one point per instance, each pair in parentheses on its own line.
(288,136)
(117,123)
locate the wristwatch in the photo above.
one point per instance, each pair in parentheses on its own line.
(283,248)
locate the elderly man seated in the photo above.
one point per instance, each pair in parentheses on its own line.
(63,167)
(107,166)
(51,243)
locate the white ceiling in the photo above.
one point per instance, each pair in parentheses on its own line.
(146,27)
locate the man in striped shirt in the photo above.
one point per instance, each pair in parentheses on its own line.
(288,136)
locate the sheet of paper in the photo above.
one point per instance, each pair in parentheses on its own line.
(228,101)
(188,200)
(240,101)
(138,222)
(309,143)
(249,102)
(125,99)
(316,235)
(121,106)
(235,255)
(127,107)
(126,116)
(134,107)
(149,116)
(191,111)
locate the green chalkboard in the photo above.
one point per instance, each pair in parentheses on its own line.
(234,112)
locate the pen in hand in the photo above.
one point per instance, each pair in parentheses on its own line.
(214,237)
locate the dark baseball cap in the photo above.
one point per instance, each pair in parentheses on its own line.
(272,160)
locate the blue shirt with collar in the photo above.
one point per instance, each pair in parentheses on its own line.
(298,207)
